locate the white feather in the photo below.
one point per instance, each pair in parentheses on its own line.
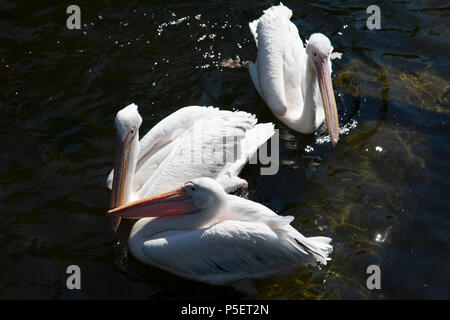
(196,142)
(250,241)
(282,73)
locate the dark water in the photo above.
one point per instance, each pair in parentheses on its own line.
(382,194)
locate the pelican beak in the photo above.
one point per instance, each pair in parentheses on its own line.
(329,103)
(171,203)
(121,163)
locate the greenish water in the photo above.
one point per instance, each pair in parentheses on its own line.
(60,91)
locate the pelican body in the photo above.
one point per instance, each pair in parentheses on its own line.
(293,80)
(200,232)
(190,143)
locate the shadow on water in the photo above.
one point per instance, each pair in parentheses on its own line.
(380,194)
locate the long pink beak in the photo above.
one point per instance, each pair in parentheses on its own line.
(171,203)
(329,102)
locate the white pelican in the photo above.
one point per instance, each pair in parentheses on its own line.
(294,81)
(190,143)
(203,233)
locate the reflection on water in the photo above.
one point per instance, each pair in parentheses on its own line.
(381,194)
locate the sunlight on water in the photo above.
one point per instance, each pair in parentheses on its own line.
(343,130)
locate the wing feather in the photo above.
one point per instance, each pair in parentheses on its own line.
(314,248)
(253,29)
(224,252)
(209,148)
(158,143)
(280,61)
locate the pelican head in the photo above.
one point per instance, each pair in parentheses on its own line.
(128,120)
(127,123)
(203,196)
(319,50)
(204,192)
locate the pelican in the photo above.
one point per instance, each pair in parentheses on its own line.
(191,142)
(200,232)
(293,80)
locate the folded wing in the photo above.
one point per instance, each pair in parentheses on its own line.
(224,252)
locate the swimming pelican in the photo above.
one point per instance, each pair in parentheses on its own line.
(294,81)
(190,143)
(201,232)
